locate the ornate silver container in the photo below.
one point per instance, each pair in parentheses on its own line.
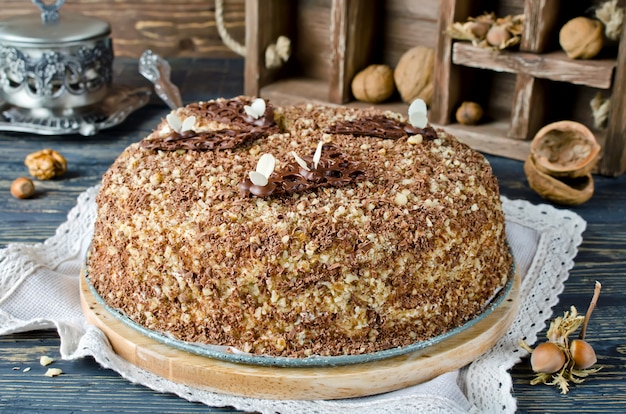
(55,62)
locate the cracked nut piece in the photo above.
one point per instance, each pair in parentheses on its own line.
(53,372)
(22,187)
(45,360)
(45,164)
(565,149)
(566,191)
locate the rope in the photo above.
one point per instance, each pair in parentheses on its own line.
(221,29)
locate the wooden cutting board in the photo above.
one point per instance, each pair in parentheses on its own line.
(309,383)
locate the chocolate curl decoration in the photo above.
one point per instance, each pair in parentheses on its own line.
(244,128)
(379,126)
(333,170)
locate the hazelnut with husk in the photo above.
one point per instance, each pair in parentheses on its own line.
(474,29)
(561,360)
(489,31)
(46,164)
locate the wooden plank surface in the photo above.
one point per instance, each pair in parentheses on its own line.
(88,388)
(554,66)
(170,28)
(614,160)
(540,25)
(353,31)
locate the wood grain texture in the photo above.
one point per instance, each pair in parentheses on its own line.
(554,66)
(88,388)
(540,25)
(321,30)
(527,113)
(265,22)
(613,161)
(170,28)
(347,54)
(445,76)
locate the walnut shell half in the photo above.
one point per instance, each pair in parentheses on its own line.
(565,149)
(566,191)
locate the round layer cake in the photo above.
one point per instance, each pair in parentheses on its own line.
(361,233)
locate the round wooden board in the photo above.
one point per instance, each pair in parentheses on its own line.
(309,383)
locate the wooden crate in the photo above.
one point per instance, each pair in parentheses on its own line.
(521,90)
(332,40)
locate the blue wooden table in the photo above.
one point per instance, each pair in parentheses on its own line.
(86,387)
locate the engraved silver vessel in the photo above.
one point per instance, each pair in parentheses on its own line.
(55,62)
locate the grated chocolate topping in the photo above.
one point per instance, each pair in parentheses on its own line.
(379,126)
(333,170)
(242,128)
(411,251)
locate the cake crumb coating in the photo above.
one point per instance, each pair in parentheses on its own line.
(414,249)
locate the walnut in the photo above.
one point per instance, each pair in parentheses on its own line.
(45,164)
(414,74)
(373,84)
(582,38)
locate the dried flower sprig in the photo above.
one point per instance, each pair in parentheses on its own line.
(560,361)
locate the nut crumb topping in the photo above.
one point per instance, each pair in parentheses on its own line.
(413,249)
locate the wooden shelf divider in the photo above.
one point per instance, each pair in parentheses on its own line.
(534,66)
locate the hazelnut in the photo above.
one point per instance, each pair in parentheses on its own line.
(478,29)
(547,358)
(498,36)
(22,187)
(373,84)
(469,113)
(582,353)
(45,164)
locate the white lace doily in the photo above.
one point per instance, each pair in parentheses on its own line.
(36,278)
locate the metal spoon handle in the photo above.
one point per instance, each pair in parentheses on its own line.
(158,71)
